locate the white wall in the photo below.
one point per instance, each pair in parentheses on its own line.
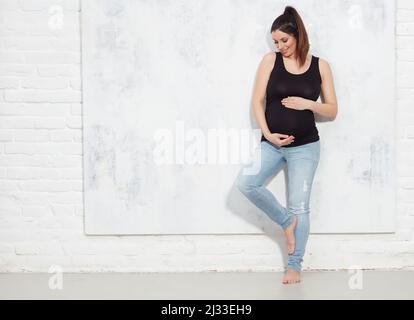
(154,102)
(41,201)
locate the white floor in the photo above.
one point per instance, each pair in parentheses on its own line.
(190,286)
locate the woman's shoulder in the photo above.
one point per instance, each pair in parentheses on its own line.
(324,66)
(270,56)
(268,60)
(323,63)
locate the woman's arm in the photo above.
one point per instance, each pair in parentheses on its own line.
(330,107)
(259,93)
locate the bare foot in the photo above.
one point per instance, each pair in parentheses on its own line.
(291,277)
(290,235)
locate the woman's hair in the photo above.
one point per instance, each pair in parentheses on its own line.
(290,22)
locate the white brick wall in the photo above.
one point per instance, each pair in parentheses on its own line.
(41,203)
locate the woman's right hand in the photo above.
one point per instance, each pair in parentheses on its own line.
(280,139)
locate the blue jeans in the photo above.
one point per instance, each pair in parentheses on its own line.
(268,159)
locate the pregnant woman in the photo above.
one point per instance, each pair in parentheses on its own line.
(287,86)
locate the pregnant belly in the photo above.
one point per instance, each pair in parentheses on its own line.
(289,121)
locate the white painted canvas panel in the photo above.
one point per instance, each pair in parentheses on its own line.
(185,70)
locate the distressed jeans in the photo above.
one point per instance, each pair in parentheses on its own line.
(268,159)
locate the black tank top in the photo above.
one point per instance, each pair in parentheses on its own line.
(284,120)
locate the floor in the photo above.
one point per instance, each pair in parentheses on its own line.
(191,286)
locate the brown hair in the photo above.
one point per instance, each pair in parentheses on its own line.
(290,22)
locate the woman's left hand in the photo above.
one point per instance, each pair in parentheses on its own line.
(297,103)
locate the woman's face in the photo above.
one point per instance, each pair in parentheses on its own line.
(285,42)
